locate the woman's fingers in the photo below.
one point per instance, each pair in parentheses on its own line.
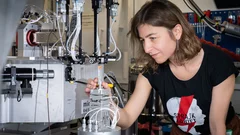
(105,85)
(92,84)
(95,80)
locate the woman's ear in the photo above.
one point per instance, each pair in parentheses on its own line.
(177,31)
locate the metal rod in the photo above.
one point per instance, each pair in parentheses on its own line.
(95,5)
(67,19)
(27,73)
(108,6)
(80,40)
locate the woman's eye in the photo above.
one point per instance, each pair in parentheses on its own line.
(152,38)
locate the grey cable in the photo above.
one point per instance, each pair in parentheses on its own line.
(119,96)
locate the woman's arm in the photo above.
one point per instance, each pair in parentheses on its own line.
(221,96)
(136,103)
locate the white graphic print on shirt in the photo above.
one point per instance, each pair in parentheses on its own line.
(186,113)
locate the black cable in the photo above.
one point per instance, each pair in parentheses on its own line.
(200,13)
(119,85)
(202,16)
(187,5)
(81,82)
(18,97)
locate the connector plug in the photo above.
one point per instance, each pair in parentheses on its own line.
(84,125)
(90,126)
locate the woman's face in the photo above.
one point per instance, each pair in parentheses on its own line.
(157,42)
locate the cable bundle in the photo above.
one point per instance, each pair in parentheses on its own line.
(104,113)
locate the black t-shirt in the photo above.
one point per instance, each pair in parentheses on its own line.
(188,102)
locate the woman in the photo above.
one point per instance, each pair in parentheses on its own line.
(195,81)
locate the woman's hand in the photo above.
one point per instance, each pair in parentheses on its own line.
(93,84)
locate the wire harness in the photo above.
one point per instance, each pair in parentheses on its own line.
(104,112)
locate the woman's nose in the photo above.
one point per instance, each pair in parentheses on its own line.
(147,47)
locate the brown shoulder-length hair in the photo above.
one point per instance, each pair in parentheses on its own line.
(166,14)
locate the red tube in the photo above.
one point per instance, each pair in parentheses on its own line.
(30,38)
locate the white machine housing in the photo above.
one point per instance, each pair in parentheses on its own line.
(67,101)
